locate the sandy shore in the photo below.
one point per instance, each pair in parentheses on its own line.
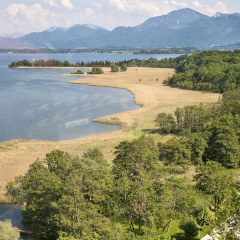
(150,93)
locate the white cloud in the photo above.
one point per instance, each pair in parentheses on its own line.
(88,12)
(177,4)
(67,4)
(221,7)
(210,10)
(120,4)
(97,4)
(20,17)
(197,4)
(149,8)
(52,3)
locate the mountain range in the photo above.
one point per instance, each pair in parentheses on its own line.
(180,28)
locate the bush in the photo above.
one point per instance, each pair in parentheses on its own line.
(78,72)
(96,70)
(123,67)
(114,68)
(8,232)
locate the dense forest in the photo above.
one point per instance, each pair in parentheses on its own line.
(179,189)
(213,71)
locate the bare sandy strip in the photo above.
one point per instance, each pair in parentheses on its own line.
(150,93)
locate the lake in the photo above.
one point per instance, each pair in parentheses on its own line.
(39,104)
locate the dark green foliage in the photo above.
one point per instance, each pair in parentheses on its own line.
(193,117)
(175,152)
(123,67)
(66,195)
(96,70)
(78,72)
(114,68)
(83,198)
(212,71)
(217,183)
(190,229)
(204,217)
(166,123)
(133,169)
(24,63)
(222,144)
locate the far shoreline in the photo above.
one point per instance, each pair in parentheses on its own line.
(149,92)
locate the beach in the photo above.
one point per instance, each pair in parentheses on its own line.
(149,92)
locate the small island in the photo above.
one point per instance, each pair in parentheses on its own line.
(78,72)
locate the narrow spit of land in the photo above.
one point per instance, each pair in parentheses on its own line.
(149,92)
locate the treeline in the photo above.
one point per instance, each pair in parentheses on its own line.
(41,63)
(210,132)
(183,50)
(213,71)
(139,197)
(152,62)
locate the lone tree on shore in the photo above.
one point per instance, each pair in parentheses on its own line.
(114,68)
(123,67)
(96,70)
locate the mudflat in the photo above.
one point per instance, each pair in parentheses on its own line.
(147,86)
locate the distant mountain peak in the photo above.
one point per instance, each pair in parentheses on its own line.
(92,26)
(174,18)
(53,28)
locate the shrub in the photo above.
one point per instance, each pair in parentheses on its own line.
(114,68)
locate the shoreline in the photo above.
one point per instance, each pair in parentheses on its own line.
(149,92)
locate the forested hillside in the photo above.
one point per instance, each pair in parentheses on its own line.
(213,71)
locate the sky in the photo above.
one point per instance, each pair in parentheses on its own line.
(27,16)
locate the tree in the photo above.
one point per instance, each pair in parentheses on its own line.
(190,229)
(123,67)
(217,183)
(114,68)
(198,144)
(178,199)
(66,63)
(204,217)
(8,232)
(175,152)
(84,205)
(134,167)
(97,70)
(222,143)
(166,123)
(65,196)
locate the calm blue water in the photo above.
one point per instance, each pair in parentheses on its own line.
(39,104)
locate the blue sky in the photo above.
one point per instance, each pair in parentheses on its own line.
(37,15)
